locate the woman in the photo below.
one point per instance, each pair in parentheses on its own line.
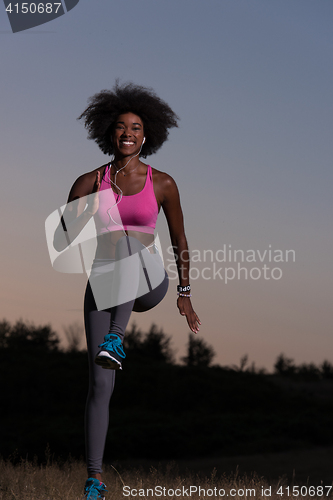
(124,197)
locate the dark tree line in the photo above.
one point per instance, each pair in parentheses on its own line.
(286,367)
(159,409)
(27,336)
(154,344)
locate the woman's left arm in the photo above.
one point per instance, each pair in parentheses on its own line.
(174,215)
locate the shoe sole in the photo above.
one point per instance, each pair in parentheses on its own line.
(106,361)
(85,498)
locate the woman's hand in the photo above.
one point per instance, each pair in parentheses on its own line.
(93,199)
(170,201)
(185,308)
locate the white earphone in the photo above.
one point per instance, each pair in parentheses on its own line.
(115,184)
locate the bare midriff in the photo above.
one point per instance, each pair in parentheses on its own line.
(106,242)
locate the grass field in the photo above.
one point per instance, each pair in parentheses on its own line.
(307,474)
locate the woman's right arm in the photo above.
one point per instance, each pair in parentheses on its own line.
(84,190)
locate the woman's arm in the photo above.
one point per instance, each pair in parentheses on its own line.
(174,215)
(84,190)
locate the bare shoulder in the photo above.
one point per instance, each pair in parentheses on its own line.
(162,177)
(85,183)
(164,185)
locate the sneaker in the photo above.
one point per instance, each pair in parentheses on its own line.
(94,489)
(111,354)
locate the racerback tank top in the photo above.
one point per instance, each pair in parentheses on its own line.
(137,212)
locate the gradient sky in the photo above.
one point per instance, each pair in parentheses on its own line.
(252,83)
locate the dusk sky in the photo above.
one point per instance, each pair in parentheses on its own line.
(251,81)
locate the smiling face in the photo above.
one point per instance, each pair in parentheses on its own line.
(128,134)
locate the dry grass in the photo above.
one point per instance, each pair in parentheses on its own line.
(54,481)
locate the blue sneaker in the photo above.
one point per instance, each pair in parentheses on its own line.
(94,489)
(111,354)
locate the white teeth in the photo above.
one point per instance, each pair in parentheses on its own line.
(127,143)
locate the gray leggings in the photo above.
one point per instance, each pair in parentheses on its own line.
(97,324)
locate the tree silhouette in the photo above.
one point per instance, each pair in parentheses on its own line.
(199,353)
(156,345)
(5,329)
(326,369)
(242,363)
(74,336)
(22,336)
(153,346)
(133,338)
(284,365)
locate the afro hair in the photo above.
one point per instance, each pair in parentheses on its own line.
(105,107)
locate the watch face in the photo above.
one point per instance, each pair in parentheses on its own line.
(24,15)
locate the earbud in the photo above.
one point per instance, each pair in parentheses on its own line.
(144,140)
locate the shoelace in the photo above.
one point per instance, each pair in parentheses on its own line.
(93,492)
(113,343)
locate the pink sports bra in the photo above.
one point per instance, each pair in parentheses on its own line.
(137,212)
